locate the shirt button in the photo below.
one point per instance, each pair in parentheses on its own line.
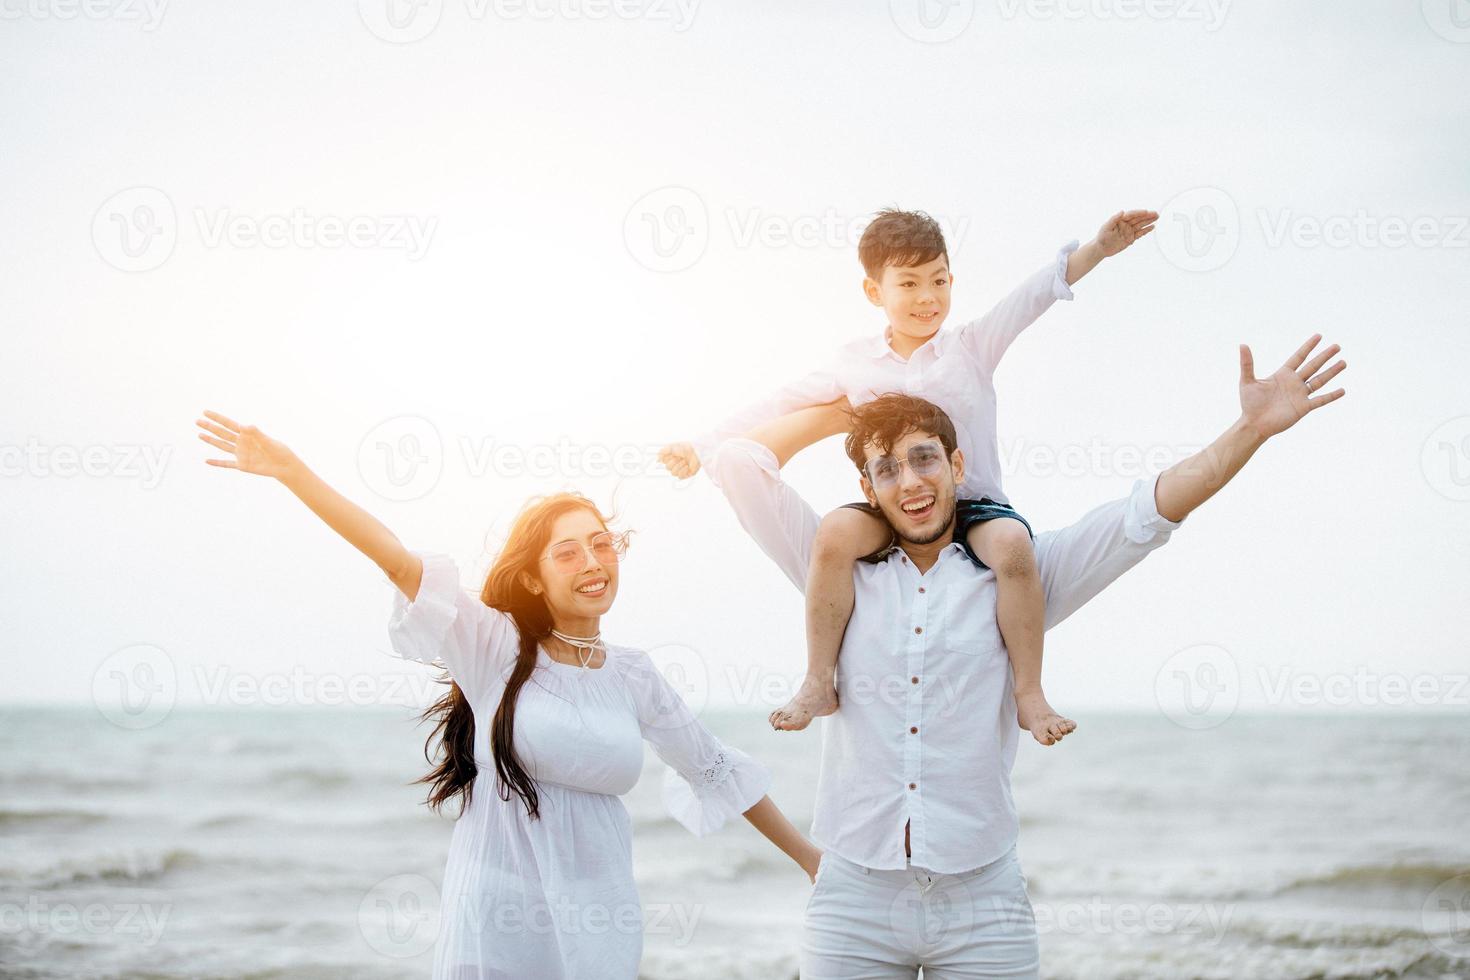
(914,730)
(921,588)
(913,785)
(913,680)
(918,629)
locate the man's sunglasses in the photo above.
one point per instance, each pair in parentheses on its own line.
(925,459)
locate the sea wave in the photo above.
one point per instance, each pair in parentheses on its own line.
(1424,876)
(133,866)
(48,819)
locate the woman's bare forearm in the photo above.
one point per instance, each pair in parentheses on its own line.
(359,528)
(766,817)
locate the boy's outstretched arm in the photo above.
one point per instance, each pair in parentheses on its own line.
(684,459)
(1116,234)
(988,338)
(790,433)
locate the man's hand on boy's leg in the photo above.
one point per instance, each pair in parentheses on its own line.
(1116,234)
(680,459)
(1020,610)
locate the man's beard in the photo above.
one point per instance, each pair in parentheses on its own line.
(946,526)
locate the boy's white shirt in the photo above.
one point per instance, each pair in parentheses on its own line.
(954,369)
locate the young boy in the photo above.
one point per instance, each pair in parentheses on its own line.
(906,263)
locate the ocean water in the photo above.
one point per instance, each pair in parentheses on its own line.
(288,844)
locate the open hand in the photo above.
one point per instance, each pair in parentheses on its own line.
(1123,229)
(1274,404)
(680,459)
(254,451)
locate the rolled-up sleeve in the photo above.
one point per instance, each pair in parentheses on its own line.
(1078,562)
(770,510)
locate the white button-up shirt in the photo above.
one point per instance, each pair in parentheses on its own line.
(926,733)
(954,369)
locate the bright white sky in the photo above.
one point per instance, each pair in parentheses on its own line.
(523,148)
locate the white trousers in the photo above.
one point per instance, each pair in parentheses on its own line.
(866,924)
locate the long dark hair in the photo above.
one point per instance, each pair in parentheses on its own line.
(454,770)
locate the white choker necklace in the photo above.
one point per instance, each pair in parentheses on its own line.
(587,643)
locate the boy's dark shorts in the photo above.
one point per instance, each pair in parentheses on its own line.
(967,513)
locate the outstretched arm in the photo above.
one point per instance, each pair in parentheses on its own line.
(1268,407)
(255,452)
(988,338)
(684,459)
(788,435)
(1079,561)
(748,473)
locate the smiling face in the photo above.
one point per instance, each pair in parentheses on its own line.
(915,298)
(920,507)
(577,592)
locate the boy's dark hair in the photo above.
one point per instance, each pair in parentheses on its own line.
(903,238)
(885,420)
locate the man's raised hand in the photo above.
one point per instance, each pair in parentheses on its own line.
(1274,404)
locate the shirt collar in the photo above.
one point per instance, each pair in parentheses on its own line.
(903,558)
(880,348)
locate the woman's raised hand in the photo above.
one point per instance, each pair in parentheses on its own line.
(254,451)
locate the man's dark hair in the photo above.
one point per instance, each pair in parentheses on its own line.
(902,238)
(884,421)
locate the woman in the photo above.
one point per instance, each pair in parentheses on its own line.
(541,732)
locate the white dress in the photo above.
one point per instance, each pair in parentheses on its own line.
(554,898)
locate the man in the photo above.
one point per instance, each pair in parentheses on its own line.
(914,809)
